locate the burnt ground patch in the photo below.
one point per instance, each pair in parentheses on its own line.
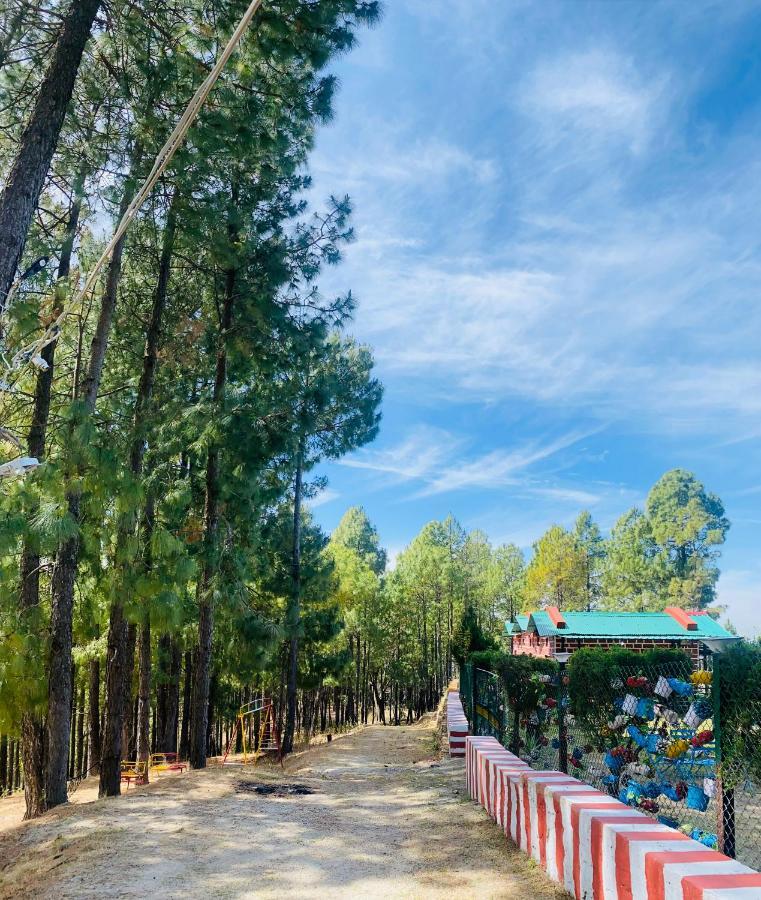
(273,789)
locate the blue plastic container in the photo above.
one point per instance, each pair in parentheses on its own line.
(614,763)
(682,688)
(697,798)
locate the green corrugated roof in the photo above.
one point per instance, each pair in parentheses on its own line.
(517,626)
(622,625)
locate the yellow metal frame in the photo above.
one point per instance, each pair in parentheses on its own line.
(134,770)
(158,762)
(244,714)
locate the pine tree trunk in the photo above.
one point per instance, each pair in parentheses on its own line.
(116,682)
(32,743)
(162,685)
(169,735)
(3,763)
(202,673)
(58,721)
(144,670)
(144,693)
(39,140)
(130,700)
(168,695)
(93,716)
(32,731)
(67,561)
(357,694)
(293,614)
(11,766)
(72,727)
(210,749)
(364,683)
(79,767)
(187,693)
(116,707)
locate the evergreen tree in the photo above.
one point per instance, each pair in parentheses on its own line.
(337,404)
(589,539)
(633,576)
(29,169)
(688,524)
(557,572)
(356,532)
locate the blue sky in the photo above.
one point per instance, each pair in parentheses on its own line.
(558,263)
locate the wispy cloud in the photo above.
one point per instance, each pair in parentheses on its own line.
(593,96)
(611,318)
(423,452)
(394,158)
(497,468)
(327,495)
(569,495)
(445,463)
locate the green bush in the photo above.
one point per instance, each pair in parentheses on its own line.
(469,637)
(739,680)
(523,688)
(489,660)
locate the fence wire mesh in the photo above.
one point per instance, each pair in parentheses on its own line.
(682,745)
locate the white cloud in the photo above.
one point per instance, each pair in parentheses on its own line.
(327,495)
(444,463)
(597,95)
(420,454)
(569,495)
(394,158)
(619,320)
(497,468)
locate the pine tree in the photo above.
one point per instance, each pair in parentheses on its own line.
(27,174)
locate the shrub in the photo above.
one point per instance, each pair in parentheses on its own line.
(739,680)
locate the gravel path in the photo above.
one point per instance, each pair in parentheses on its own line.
(385,818)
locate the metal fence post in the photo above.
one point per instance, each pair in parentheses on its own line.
(501,712)
(562,733)
(474,695)
(725,797)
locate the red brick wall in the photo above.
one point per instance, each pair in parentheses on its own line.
(531,644)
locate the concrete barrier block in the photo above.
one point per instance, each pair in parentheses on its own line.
(595,846)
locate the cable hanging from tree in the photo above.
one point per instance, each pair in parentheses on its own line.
(31,353)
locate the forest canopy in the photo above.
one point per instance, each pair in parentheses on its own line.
(159,558)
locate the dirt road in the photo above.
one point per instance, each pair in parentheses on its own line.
(384,818)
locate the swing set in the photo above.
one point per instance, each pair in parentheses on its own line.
(269,737)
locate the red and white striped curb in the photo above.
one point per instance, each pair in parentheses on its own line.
(457,725)
(594,845)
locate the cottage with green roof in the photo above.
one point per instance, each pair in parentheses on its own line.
(549,631)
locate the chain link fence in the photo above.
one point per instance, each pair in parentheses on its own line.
(682,745)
